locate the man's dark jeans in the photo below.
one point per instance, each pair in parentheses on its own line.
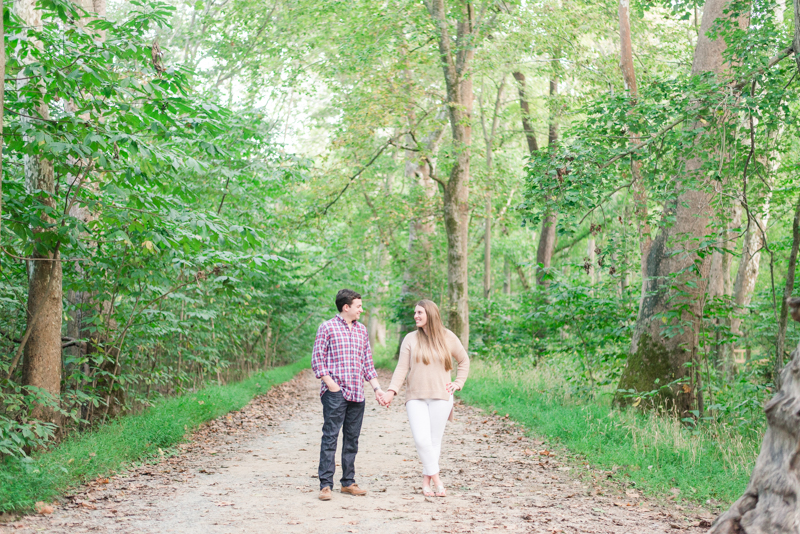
(347,416)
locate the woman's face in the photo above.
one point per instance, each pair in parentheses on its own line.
(420,317)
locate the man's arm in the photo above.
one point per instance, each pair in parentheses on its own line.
(318,358)
(370,374)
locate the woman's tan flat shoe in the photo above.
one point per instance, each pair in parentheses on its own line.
(440,491)
(426,491)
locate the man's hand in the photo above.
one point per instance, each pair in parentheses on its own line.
(379,396)
(332,386)
(387,397)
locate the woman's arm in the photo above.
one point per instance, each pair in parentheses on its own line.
(403,365)
(462,359)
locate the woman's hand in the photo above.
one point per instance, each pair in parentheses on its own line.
(387,397)
(452,387)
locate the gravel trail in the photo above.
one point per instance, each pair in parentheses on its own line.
(254,471)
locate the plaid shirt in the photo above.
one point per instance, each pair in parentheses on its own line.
(343,354)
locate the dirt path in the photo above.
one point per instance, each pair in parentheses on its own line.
(254,471)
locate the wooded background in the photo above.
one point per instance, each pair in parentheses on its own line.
(605,189)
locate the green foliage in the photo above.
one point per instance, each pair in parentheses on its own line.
(127,440)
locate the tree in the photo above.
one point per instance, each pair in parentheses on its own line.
(456,58)
(677,270)
(42,352)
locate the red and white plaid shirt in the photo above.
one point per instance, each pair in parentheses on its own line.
(343,354)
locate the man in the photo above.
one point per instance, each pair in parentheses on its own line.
(342,358)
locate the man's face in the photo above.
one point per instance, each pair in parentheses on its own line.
(353,311)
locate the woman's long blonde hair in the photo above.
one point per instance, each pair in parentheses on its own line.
(431,345)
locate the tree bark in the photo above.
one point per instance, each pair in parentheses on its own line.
(547,237)
(639,191)
(657,357)
(41,366)
(527,123)
(456,64)
(769,504)
(780,342)
(488,137)
(749,264)
(487,249)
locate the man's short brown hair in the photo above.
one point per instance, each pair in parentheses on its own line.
(345,296)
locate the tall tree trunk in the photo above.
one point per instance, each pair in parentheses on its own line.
(487,249)
(639,190)
(527,123)
(658,357)
(456,64)
(42,354)
(488,137)
(547,237)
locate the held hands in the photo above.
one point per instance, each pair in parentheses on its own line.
(452,387)
(379,396)
(386,397)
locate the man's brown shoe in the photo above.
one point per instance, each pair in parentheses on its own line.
(354,490)
(325,494)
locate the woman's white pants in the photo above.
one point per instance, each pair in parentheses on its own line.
(428,418)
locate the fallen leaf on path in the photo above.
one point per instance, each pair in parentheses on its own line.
(43,508)
(223,503)
(294,522)
(88,505)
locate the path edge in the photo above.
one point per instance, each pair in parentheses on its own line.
(125,441)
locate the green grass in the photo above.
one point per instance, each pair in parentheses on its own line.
(657,453)
(126,440)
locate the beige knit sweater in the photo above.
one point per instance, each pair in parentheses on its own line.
(428,381)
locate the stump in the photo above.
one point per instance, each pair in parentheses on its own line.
(769,504)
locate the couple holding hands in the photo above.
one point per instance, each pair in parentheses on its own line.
(342,359)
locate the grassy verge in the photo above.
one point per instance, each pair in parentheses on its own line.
(129,439)
(657,453)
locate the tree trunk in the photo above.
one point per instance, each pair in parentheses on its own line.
(787,293)
(547,237)
(527,123)
(456,64)
(487,250)
(488,137)
(769,504)
(506,276)
(749,264)
(658,357)
(639,190)
(42,354)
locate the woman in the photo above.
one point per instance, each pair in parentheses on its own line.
(426,356)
